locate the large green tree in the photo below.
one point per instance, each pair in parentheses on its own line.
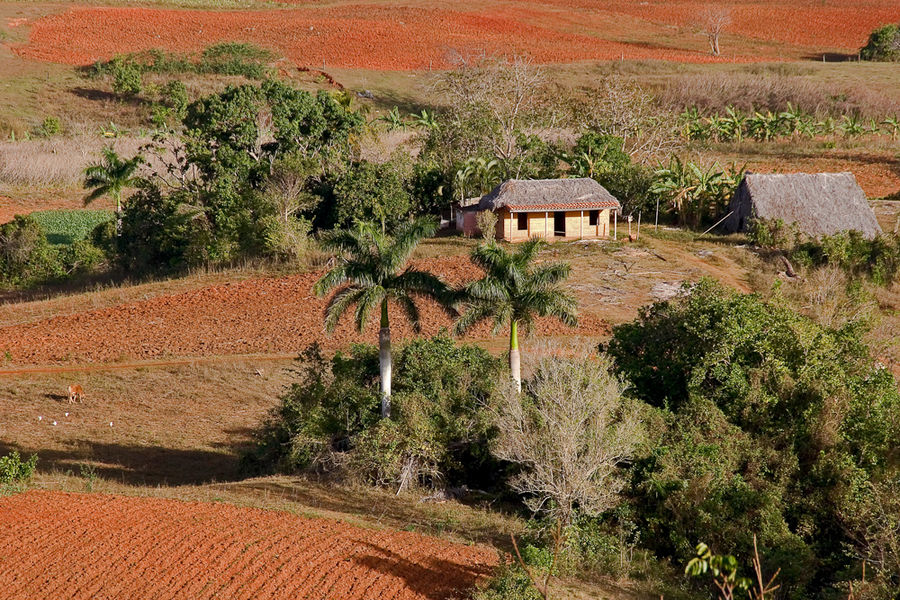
(515,290)
(371,273)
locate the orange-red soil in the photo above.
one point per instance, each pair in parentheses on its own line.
(383,36)
(58,545)
(273,315)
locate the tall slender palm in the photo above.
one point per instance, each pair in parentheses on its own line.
(110,176)
(372,272)
(514,290)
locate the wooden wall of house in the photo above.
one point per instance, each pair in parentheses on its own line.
(577,225)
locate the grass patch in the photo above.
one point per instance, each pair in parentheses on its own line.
(65,227)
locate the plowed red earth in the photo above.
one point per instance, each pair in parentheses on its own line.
(97,547)
(389,37)
(274,315)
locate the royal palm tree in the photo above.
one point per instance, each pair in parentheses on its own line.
(371,273)
(110,176)
(514,290)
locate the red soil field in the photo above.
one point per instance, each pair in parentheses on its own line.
(388,37)
(274,315)
(97,547)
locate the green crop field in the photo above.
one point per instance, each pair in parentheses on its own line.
(65,227)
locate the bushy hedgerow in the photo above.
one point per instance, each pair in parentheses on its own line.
(329,419)
(28,258)
(771,424)
(877,259)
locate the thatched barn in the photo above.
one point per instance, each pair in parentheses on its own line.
(547,208)
(820,204)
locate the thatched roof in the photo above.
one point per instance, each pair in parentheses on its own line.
(820,204)
(549,194)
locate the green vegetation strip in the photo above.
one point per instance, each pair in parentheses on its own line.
(64,227)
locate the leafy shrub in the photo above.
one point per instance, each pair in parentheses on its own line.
(883,44)
(14,472)
(769,423)
(225,58)
(329,419)
(28,258)
(510,582)
(126,77)
(235,58)
(877,259)
(50,126)
(160,233)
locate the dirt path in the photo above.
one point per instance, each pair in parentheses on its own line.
(59,545)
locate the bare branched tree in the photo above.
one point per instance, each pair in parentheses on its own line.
(713,21)
(571,430)
(287,186)
(490,101)
(622,108)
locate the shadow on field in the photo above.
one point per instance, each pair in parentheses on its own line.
(385,506)
(96,95)
(137,465)
(439,580)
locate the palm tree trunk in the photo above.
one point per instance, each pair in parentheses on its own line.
(384,361)
(514,358)
(118,214)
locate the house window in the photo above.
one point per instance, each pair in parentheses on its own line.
(522,219)
(592,217)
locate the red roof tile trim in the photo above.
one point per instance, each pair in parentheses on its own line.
(566,206)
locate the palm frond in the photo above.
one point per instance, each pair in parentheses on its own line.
(411,310)
(406,239)
(98,192)
(338,305)
(369,299)
(474,314)
(330,280)
(548,275)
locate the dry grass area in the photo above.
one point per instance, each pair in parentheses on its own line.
(162,425)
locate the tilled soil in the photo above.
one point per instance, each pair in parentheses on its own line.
(91,546)
(430,35)
(269,315)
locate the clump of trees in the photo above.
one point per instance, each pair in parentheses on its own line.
(883,44)
(769,424)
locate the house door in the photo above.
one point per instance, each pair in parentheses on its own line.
(559,224)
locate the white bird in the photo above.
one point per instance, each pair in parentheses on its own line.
(110,423)
(54,422)
(40,418)
(67,414)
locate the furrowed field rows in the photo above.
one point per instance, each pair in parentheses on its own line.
(385,37)
(97,546)
(275,315)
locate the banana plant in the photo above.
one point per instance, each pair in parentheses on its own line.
(851,126)
(477,176)
(424,120)
(892,125)
(674,183)
(764,127)
(393,119)
(791,118)
(736,121)
(692,125)
(826,126)
(719,127)
(808,127)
